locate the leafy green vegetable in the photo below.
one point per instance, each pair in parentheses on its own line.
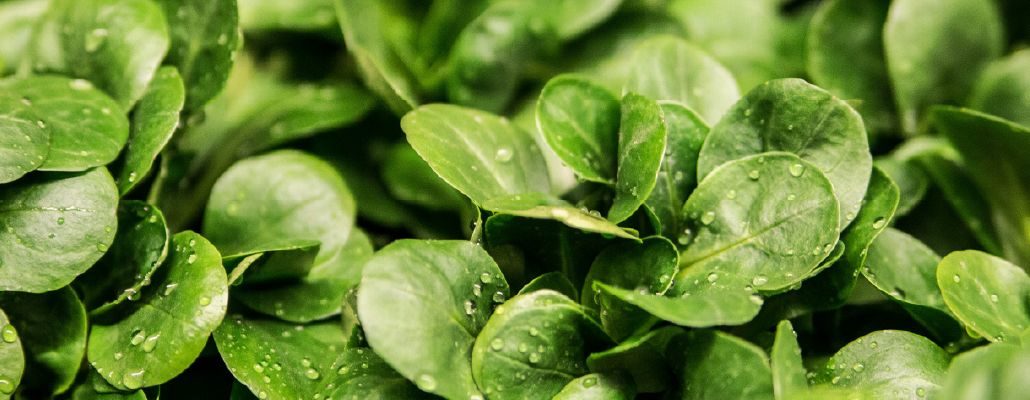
(51,328)
(204,41)
(153,124)
(994,371)
(713,364)
(889,365)
(26,140)
(986,293)
(580,121)
(786,364)
(11,357)
(642,137)
(596,386)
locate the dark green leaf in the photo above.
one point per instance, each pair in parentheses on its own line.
(677,176)
(149,341)
(646,267)
(410,179)
(204,40)
(441,293)
(643,357)
(26,140)
(1001,89)
(715,365)
(580,122)
(153,122)
(911,180)
(642,138)
(997,371)
(888,365)
(556,281)
(986,293)
(52,330)
(56,226)
(290,261)
(793,116)
(364,25)
(87,127)
(955,184)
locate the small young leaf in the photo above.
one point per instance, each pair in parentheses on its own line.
(677,176)
(787,369)
(642,137)
(204,40)
(87,128)
(794,116)
(580,122)
(986,293)
(153,123)
(52,329)
(887,365)
(1001,89)
(151,340)
(364,30)
(670,68)
(442,293)
(646,267)
(57,226)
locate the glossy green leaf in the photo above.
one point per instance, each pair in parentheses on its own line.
(437,294)
(888,365)
(570,18)
(289,261)
(912,181)
(319,294)
(670,68)
(364,30)
(25,139)
(116,44)
(52,329)
(642,138)
(845,56)
(56,226)
(308,15)
(204,40)
(482,155)
(527,247)
(971,205)
(997,371)
(715,365)
(1001,89)
(12,359)
(149,341)
(139,248)
(677,177)
(788,372)
(986,293)
(87,129)
(554,280)
(410,179)
(646,267)
(94,387)
(153,122)
(643,357)
(597,387)
(532,346)
(916,35)
(794,116)
(306,361)
(990,149)
(540,206)
(580,122)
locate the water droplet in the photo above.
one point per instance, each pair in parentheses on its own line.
(80,84)
(921,392)
(486,277)
(708,217)
(796,170)
(759,280)
(258,368)
(169,288)
(133,380)
(310,373)
(151,342)
(835,380)
(503,155)
(534,358)
(685,238)
(732,194)
(9,334)
(712,277)
(754,174)
(858,367)
(426,382)
(873,345)
(757,299)
(118,356)
(497,344)
(477,289)
(138,336)
(956,278)
(533,331)
(205,301)
(589,381)
(223,39)
(791,197)
(879,223)
(994,298)
(498,297)
(470,307)
(192,258)
(95,39)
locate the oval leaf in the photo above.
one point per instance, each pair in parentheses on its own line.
(12,359)
(580,122)
(25,142)
(677,176)
(204,41)
(1002,88)
(986,293)
(888,365)
(715,365)
(597,386)
(153,123)
(642,138)
(52,330)
(787,369)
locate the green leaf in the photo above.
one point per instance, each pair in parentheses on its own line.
(364,24)
(912,181)
(554,280)
(94,387)
(541,206)
(1001,89)
(316,296)
(151,340)
(788,372)
(410,179)
(52,330)
(87,129)
(990,149)
(362,374)
(646,267)
(26,140)
(716,365)
(442,293)
(670,68)
(888,365)
(116,44)
(580,122)
(794,116)
(56,225)
(12,359)
(642,137)
(918,32)
(139,248)
(17,20)
(153,122)
(305,16)
(533,346)
(845,56)
(204,41)
(570,18)
(597,387)
(986,293)
(287,262)
(643,357)
(525,248)
(997,371)
(971,205)
(480,154)
(677,176)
